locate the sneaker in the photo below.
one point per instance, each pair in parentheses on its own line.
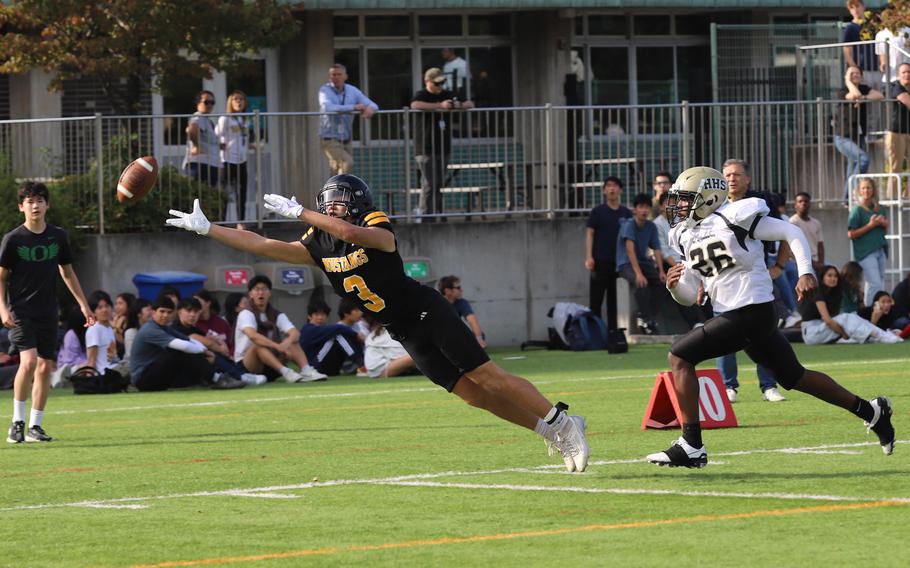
(731,395)
(291,376)
(644,326)
(37,434)
(309,374)
(225,382)
(16,433)
(253,379)
(793,319)
(362,372)
(773,395)
(880,423)
(60,377)
(571,443)
(680,454)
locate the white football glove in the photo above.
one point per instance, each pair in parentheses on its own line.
(282,205)
(195,221)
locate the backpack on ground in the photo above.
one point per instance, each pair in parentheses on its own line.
(586,331)
(87,380)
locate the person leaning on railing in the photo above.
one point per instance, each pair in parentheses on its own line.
(897,139)
(335,129)
(850,125)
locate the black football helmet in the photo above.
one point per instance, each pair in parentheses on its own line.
(347,189)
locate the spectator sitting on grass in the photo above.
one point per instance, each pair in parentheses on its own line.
(265,339)
(122,304)
(162,358)
(100,343)
(880,312)
(188,311)
(171,292)
(384,356)
(852,278)
(72,355)
(329,346)
(350,314)
(139,314)
(210,322)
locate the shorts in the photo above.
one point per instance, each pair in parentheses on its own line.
(750,328)
(31,334)
(441,345)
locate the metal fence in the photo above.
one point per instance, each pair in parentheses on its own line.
(538,161)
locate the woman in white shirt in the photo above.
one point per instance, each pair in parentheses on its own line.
(233,136)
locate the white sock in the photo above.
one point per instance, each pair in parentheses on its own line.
(19,410)
(544,430)
(285,370)
(35,417)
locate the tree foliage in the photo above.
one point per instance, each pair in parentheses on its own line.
(134,42)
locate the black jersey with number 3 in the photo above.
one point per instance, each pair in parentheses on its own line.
(372,278)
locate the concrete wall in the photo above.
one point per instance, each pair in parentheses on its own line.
(512,271)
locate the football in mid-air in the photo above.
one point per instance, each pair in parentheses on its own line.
(137,180)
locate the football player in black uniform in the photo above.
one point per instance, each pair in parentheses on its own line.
(354,244)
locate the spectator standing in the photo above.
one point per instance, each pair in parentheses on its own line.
(450,288)
(31,256)
(861,56)
(203,160)
(897,138)
(737,174)
(661,185)
(850,125)
(890,48)
(866,227)
(456,73)
(338,102)
(433,137)
(233,131)
(645,276)
(329,346)
(812,229)
(600,249)
(265,339)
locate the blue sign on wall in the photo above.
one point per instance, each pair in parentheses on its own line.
(293,276)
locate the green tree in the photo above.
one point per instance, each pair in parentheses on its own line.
(130,44)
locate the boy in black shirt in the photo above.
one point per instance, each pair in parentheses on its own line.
(355,246)
(30,256)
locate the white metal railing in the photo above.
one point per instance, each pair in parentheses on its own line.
(538,161)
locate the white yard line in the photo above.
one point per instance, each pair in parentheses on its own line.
(418,479)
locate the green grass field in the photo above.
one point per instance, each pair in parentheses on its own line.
(396,472)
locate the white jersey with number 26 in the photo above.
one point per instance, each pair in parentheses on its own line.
(724,254)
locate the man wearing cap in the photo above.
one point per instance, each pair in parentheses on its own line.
(338,102)
(433,136)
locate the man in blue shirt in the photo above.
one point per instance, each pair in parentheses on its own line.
(600,249)
(645,276)
(862,56)
(343,101)
(328,346)
(450,288)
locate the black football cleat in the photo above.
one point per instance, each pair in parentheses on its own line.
(881,423)
(16,433)
(37,434)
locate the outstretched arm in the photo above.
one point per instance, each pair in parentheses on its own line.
(246,241)
(771,229)
(370,237)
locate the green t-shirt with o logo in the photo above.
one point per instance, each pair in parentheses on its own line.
(32,261)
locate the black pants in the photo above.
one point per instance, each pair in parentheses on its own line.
(433,172)
(645,298)
(603,281)
(235,176)
(174,369)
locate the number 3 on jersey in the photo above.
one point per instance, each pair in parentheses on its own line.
(711,258)
(373,302)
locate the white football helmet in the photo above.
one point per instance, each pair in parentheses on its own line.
(697,193)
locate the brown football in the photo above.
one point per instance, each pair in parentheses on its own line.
(137,180)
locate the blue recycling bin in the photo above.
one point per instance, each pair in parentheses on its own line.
(150,283)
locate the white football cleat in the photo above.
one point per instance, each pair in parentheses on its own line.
(731,395)
(572,444)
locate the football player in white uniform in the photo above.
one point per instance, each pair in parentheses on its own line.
(720,243)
